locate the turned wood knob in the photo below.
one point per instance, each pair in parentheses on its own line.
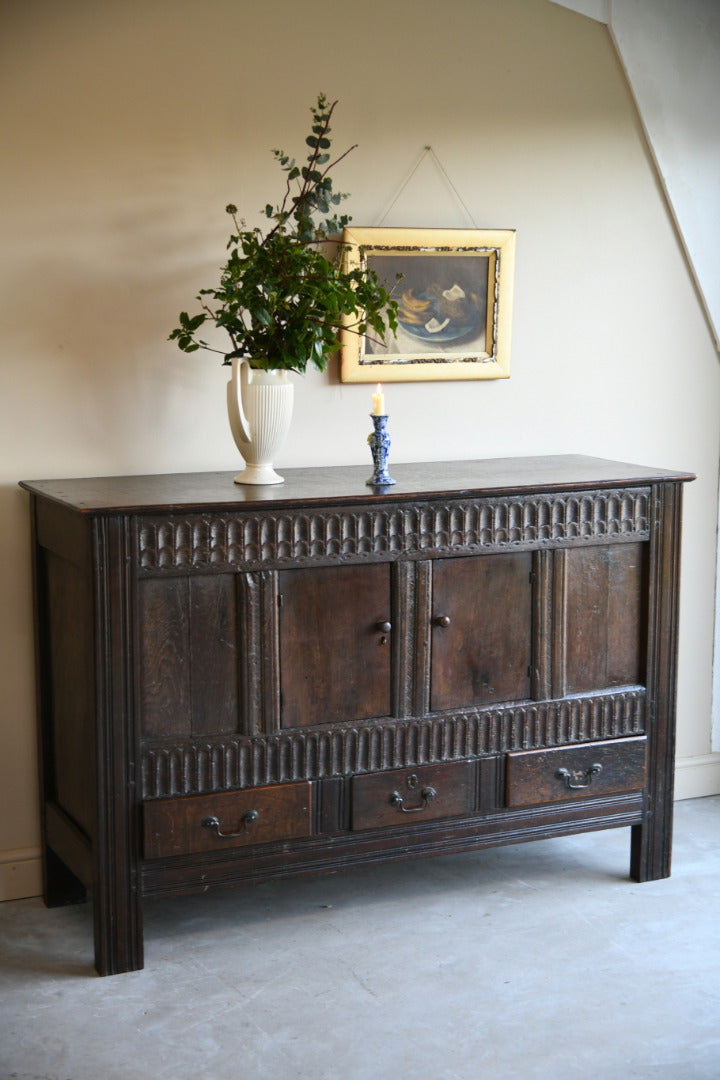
(442,620)
(383,627)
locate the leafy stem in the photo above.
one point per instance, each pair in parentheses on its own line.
(282,302)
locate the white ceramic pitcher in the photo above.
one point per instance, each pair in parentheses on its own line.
(260,407)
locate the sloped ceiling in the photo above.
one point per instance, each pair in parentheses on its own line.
(594,9)
(671,55)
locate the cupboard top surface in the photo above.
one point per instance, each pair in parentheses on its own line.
(116,494)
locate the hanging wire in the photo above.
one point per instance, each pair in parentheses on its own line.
(425,151)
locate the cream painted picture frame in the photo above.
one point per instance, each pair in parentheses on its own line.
(454,288)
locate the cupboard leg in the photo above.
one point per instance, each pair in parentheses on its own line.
(118,930)
(650,849)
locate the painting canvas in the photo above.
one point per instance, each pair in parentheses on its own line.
(454,293)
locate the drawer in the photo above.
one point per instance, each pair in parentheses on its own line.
(575,772)
(411,796)
(205,823)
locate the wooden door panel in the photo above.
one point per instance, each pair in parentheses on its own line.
(334,661)
(214,683)
(188,656)
(482,630)
(164,682)
(603,620)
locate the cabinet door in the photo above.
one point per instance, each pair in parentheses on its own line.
(482,630)
(335,644)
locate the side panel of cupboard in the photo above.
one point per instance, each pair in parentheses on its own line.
(599,617)
(190,643)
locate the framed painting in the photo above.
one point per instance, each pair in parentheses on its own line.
(454,289)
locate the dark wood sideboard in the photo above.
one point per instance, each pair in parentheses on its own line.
(240,683)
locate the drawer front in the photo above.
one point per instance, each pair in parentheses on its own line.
(575,772)
(205,823)
(411,796)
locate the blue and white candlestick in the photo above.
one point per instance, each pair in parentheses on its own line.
(379,441)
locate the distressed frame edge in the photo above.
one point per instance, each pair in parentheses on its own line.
(500,301)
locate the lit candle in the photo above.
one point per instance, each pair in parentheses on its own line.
(379,401)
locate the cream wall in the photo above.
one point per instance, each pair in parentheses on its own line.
(127,128)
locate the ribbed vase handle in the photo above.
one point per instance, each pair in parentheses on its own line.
(236,414)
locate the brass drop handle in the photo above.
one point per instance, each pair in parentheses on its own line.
(427,794)
(442,621)
(567,777)
(213,825)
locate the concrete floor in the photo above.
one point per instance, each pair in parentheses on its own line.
(523,963)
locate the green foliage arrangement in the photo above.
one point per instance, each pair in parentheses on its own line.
(281,300)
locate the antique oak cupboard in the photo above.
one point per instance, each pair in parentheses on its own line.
(239,683)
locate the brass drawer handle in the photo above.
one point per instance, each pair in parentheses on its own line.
(426,795)
(213,825)
(566,775)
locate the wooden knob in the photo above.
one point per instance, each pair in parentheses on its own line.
(383,627)
(442,620)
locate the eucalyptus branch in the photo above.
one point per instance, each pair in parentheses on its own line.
(318,136)
(338,160)
(309,185)
(280,299)
(305,189)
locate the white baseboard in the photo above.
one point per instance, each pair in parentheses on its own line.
(21,869)
(697,777)
(20,873)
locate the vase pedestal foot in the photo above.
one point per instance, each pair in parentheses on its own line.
(259,474)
